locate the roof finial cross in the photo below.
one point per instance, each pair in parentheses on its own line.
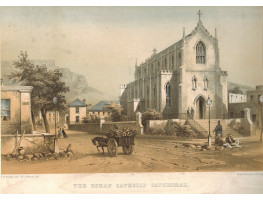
(199,13)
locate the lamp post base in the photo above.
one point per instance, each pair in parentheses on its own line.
(56,147)
(209,141)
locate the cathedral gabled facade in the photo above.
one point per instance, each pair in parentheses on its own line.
(180,78)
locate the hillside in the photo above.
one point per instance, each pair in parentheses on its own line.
(244,88)
(77,83)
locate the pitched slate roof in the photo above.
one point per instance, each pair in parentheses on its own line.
(100,106)
(77,103)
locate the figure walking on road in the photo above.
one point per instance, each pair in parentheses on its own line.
(64,133)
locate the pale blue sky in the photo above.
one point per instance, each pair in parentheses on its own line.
(103,43)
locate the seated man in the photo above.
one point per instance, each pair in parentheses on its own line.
(219,141)
(230,140)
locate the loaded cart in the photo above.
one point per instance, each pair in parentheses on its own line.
(120,137)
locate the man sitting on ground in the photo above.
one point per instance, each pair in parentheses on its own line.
(230,140)
(219,141)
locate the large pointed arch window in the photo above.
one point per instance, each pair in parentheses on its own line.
(168,94)
(200,53)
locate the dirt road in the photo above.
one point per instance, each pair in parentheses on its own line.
(150,155)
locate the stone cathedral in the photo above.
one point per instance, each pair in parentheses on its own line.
(180,78)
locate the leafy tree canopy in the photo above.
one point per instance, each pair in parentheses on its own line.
(236,90)
(46,85)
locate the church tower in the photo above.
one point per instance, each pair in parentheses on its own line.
(179,78)
(202,75)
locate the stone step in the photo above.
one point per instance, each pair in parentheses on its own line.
(213,123)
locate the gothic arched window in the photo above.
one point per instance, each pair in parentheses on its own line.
(148,97)
(194,83)
(200,53)
(180,59)
(168,94)
(155,96)
(205,83)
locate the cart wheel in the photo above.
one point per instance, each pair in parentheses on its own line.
(127,149)
(112,147)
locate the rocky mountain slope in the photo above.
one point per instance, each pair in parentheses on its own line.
(79,87)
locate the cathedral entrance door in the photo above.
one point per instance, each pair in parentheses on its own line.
(200,108)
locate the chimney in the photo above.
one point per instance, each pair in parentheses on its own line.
(84,100)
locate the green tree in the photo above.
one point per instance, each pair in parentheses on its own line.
(236,90)
(46,85)
(115,110)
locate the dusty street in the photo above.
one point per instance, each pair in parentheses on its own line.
(151,154)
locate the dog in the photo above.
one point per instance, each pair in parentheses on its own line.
(100,142)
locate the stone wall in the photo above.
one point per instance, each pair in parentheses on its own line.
(88,127)
(236,108)
(20,110)
(127,124)
(8,127)
(104,127)
(160,124)
(246,122)
(31,144)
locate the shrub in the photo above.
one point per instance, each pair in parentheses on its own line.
(150,115)
(237,127)
(185,131)
(124,118)
(91,119)
(115,110)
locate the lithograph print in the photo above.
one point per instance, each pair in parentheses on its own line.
(131,99)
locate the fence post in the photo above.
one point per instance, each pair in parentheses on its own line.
(248,122)
(139,121)
(102,120)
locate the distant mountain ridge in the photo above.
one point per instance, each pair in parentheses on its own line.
(77,83)
(244,88)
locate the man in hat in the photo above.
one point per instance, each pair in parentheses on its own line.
(230,140)
(218,129)
(192,112)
